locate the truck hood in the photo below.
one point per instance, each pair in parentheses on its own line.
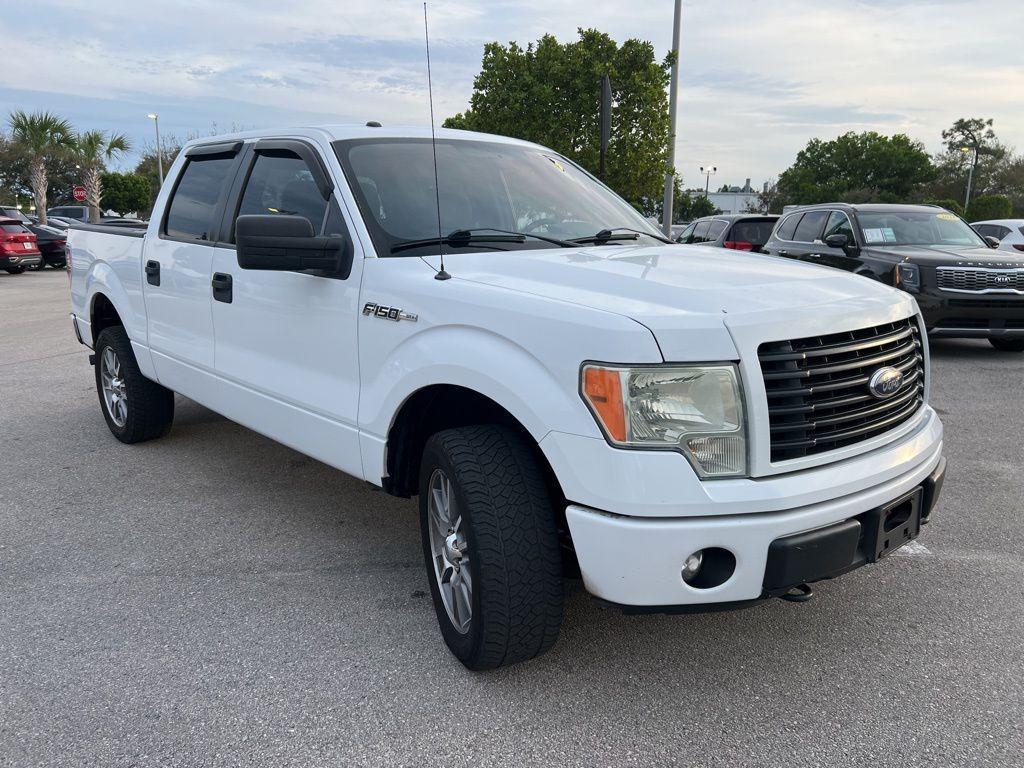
(949,257)
(691,297)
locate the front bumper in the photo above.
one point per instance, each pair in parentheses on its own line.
(971,316)
(637,562)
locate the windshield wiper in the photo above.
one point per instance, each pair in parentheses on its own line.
(464,237)
(609,235)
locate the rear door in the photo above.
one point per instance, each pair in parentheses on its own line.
(286,351)
(177,268)
(806,245)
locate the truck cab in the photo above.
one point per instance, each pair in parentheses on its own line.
(477,322)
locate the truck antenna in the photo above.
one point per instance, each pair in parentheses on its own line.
(441,273)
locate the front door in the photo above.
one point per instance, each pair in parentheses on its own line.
(286,348)
(839,224)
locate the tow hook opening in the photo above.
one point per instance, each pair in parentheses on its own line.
(800,593)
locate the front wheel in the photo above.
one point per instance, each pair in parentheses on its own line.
(1008,345)
(491,546)
(15,270)
(134,407)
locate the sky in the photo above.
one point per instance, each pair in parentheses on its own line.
(758,79)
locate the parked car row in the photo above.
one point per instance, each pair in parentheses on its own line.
(967,279)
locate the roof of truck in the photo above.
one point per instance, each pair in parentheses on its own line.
(365,131)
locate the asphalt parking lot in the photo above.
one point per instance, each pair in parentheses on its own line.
(214,598)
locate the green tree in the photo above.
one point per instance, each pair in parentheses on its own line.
(93,149)
(549,93)
(39,135)
(689,206)
(998,170)
(125,192)
(856,167)
(147,166)
(987,207)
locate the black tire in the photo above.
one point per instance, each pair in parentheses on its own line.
(15,270)
(512,543)
(1008,345)
(150,407)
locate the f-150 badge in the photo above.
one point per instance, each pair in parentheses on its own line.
(388,313)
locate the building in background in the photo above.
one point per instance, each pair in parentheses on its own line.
(736,199)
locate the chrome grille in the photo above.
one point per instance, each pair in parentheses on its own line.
(980,280)
(817,387)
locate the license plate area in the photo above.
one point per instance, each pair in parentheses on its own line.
(892,526)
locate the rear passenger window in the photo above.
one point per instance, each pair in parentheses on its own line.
(716,230)
(13,228)
(787,227)
(810,226)
(191,210)
(281,184)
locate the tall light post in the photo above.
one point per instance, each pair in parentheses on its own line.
(673,98)
(159,152)
(970,174)
(708,171)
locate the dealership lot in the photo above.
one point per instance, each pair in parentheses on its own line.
(215,598)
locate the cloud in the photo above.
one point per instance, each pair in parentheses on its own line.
(758,79)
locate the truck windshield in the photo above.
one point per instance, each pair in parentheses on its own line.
(931,228)
(484,185)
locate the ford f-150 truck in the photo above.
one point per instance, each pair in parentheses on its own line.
(566,392)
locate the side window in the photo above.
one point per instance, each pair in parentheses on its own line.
(787,227)
(700,232)
(839,224)
(810,226)
(684,236)
(716,230)
(190,214)
(1000,231)
(281,184)
(985,230)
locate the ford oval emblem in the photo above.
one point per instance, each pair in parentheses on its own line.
(885,382)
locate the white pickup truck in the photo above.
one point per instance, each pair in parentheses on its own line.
(684,428)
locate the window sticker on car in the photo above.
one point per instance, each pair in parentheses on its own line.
(888,235)
(945,216)
(873,236)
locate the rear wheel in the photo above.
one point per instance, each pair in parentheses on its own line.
(135,408)
(1008,345)
(490,545)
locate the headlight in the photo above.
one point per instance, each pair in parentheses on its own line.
(908,277)
(695,409)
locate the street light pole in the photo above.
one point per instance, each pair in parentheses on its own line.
(673,99)
(708,173)
(970,175)
(159,152)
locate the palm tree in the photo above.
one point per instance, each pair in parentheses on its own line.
(41,134)
(93,149)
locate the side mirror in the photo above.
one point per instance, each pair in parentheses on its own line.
(288,244)
(839,240)
(993,242)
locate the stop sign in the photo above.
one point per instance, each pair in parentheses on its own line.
(80,194)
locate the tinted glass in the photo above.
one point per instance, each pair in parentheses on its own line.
(753,232)
(15,228)
(191,211)
(839,224)
(281,183)
(482,185)
(1000,231)
(700,232)
(810,226)
(685,234)
(716,230)
(917,228)
(70,213)
(788,227)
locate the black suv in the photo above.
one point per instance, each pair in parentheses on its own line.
(741,232)
(964,287)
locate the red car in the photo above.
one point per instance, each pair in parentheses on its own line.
(18,247)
